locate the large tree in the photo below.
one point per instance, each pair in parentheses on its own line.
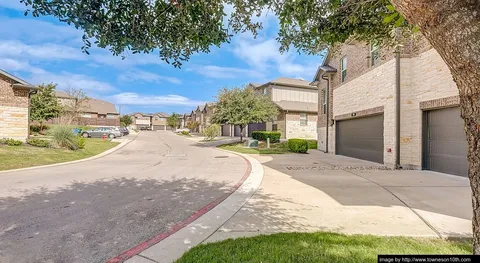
(44,105)
(76,104)
(173,120)
(241,106)
(179,28)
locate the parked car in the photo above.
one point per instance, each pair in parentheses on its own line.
(124,131)
(110,132)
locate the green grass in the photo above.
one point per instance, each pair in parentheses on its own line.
(275,148)
(318,247)
(13,157)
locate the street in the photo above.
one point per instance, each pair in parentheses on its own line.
(95,210)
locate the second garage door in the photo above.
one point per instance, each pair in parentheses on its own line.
(361,138)
(158,127)
(445,142)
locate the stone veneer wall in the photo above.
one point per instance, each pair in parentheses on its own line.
(294,130)
(13,111)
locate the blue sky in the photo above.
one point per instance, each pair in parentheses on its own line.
(43,50)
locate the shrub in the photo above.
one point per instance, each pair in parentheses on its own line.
(63,136)
(298,145)
(81,142)
(312,144)
(38,127)
(38,142)
(12,142)
(212,131)
(263,135)
(186,133)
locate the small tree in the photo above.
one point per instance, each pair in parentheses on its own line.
(126,119)
(173,120)
(241,106)
(211,132)
(192,125)
(76,104)
(44,105)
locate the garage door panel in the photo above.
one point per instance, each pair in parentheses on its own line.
(446,150)
(361,138)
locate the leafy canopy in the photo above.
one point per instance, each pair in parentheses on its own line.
(173,120)
(241,106)
(44,105)
(126,119)
(179,28)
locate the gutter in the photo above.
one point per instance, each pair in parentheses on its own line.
(328,109)
(397,108)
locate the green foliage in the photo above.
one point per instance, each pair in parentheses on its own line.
(298,145)
(241,106)
(39,127)
(312,144)
(181,28)
(43,105)
(122,124)
(81,142)
(263,135)
(173,120)
(11,142)
(192,125)
(186,133)
(126,120)
(211,132)
(38,142)
(64,137)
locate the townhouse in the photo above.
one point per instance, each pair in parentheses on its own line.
(396,108)
(150,121)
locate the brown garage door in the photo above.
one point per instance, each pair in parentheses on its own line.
(445,142)
(236,131)
(361,138)
(256,127)
(158,127)
(226,130)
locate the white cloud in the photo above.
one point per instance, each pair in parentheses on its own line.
(145,76)
(218,72)
(131,98)
(64,79)
(46,51)
(12,4)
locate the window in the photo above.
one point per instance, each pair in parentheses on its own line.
(374,54)
(86,115)
(324,103)
(274,127)
(110,116)
(265,91)
(303,119)
(343,66)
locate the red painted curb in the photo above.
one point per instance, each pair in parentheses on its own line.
(154,240)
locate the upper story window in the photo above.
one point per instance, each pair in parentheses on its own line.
(324,102)
(110,116)
(343,66)
(85,115)
(303,119)
(265,91)
(374,54)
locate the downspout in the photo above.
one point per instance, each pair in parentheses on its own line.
(397,109)
(328,110)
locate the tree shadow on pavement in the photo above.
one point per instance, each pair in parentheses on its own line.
(92,222)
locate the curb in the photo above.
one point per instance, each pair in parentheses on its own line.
(105,153)
(170,245)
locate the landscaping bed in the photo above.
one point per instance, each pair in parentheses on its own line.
(13,157)
(319,247)
(275,148)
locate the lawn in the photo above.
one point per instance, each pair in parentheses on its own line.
(13,157)
(318,247)
(275,148)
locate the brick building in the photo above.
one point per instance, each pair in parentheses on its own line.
(360,84)
(14,106)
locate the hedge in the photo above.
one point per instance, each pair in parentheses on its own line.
(312,144)
(298,145)
(11,142)
(36,127)
(263,135)
(38,142)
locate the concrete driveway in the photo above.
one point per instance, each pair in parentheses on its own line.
(323,192)
(95,210)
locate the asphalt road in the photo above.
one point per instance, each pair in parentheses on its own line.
(95,210)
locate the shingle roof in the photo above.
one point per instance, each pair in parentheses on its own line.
(101,106)
(61,94)
(290,82)
(297,106)
(22,83)
(162,114)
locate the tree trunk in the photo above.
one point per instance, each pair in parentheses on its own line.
(453,29)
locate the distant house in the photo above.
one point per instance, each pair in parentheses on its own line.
(150,121)
(297,102)
(14,106)
(96,112)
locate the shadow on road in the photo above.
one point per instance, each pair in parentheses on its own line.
(92,222)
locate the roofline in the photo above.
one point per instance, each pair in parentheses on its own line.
(286,85)
(294,110)
(23,86)
(19,80)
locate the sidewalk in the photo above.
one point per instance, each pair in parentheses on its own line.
(323,192)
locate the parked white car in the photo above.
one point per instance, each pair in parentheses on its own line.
(183,129)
